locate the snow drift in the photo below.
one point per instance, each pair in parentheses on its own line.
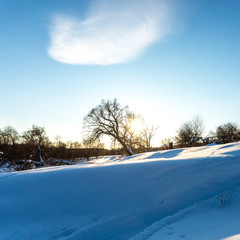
(113,198)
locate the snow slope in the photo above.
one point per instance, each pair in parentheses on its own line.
(115,198)
(205,220)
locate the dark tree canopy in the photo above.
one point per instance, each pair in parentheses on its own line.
(35,136)
(9,136)
(228,132)
(190,132)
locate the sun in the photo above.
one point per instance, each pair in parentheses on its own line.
(137,126)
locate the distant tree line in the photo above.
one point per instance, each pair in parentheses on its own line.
(128,132)
(33,149)
(191,134)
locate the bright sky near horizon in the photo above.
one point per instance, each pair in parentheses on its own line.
(167,60)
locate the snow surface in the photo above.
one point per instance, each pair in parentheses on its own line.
(159,195)
(208,220)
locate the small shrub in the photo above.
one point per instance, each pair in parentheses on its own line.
(225,197)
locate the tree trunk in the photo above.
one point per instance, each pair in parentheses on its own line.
(40,156)
(126,148)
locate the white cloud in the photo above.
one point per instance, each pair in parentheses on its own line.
(113,32)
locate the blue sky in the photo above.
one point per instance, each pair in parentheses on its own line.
(182,61)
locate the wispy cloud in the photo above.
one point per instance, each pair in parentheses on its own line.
(113,32)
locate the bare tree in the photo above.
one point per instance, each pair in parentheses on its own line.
(58,141)
(110,118)
(190,132)
(197,125)
(9,136)
(148,133)
(89,143)
(37,137)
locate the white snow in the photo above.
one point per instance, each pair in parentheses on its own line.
(208,220)
(205,220)
(158,195)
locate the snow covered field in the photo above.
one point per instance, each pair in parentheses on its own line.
(173,194)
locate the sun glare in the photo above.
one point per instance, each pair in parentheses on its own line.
(137,125)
